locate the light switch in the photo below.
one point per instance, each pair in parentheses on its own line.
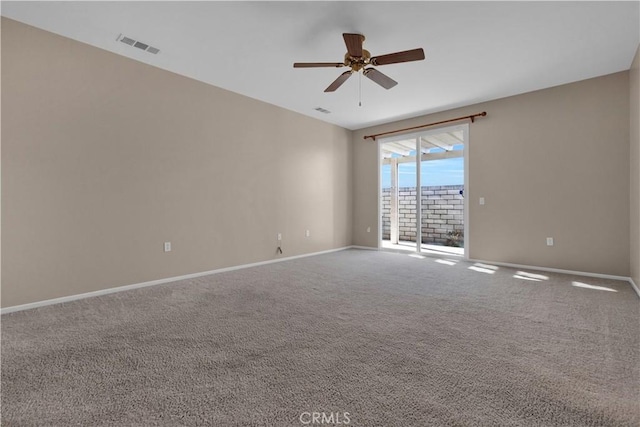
(482,200)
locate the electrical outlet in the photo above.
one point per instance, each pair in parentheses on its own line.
(167,246)
(482,200)
(549,241)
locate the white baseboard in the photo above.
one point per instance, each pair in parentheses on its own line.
(553,270)
(367,248)
(548,269)
(31,305)
(107,291)
(634,286)
(559,270)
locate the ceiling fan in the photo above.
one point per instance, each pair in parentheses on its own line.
(358,59)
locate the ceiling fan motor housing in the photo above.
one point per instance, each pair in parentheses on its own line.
(357,63)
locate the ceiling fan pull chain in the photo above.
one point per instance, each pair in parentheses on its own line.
(359,89)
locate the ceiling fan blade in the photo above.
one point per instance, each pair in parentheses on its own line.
(338,82)
(317,64)
(380,78)
(394,58)
(354,44)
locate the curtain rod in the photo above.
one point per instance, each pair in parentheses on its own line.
(471,117)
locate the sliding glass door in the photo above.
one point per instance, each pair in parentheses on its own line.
(422,201)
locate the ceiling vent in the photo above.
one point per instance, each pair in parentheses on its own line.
(322,110)
(127,40)
(136,43)
(141,46)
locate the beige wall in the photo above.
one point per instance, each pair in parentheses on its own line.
(634,190)
(550,163)
(105,158)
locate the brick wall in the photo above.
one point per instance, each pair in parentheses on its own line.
(443,212)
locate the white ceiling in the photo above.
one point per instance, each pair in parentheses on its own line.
(475,51)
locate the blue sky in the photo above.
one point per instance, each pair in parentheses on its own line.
(434,172)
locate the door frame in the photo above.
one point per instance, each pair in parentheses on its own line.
(464,127)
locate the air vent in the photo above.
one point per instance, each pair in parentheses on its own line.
(140,45)
(127,40)
(322,110)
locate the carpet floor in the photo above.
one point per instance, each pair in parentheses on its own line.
(365,338)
